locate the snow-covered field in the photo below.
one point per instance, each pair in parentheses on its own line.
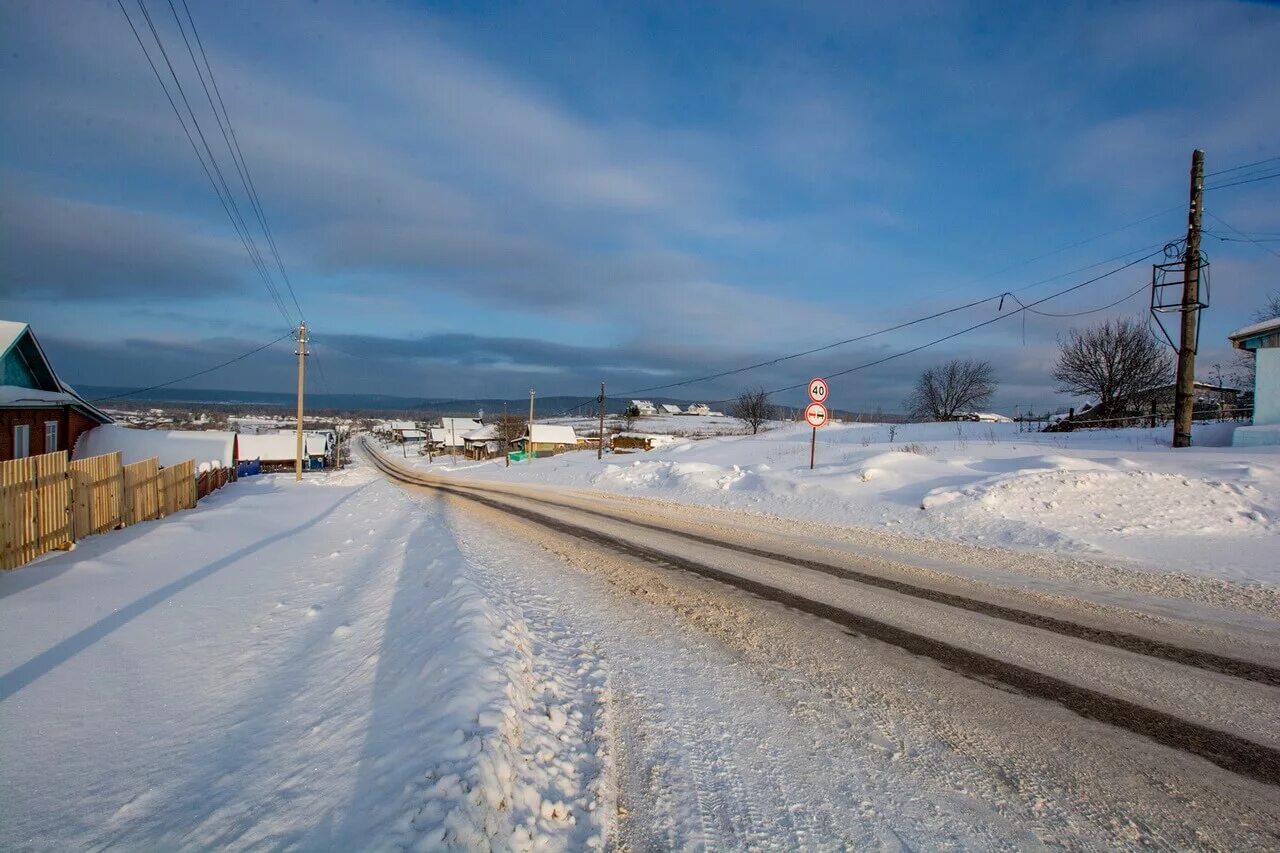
(1121,495)
(308,665)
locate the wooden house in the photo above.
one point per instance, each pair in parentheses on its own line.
(39,413)
(547,439)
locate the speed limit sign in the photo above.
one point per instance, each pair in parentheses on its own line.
(815,415)
(818,389)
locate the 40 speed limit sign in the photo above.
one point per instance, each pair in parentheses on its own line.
(818,389)
(815,415)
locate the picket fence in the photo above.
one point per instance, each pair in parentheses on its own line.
(49,502)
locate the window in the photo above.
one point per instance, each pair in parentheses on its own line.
(50,436)
(21,441)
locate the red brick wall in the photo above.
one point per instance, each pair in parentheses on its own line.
(71,425)
(77,425)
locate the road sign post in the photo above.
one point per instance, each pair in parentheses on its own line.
(815,415)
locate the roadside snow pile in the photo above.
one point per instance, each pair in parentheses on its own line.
(682,476)
(290,666)
(1130,502)
(1211,509)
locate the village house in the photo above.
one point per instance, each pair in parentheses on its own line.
(483,443)
(644,408)
(449,435)
(547,439)
(1263,340)
(669,409)
(279,451)
(39,413)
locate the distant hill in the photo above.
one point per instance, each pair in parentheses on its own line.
(370,403)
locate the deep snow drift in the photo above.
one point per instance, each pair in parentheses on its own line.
(1122,495)
(290,665)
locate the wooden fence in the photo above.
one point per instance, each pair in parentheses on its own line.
(97,493)
(47,502)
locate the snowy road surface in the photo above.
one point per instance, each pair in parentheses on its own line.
(355,663)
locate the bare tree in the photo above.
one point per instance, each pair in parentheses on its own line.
(752,408)
(510,428)
(958,385)
(629,416)
(1116,361)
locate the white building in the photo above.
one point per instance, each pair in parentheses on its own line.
(644,408)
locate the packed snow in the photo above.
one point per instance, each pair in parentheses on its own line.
(1121,495)
(290,665)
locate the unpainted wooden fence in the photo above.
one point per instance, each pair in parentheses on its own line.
(47,502)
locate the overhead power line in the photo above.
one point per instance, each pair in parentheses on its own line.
(210,168)
(1245,236)
(788,357)
(975,326)
(1243,166)
(233,144)
(240,357)
(1268,177)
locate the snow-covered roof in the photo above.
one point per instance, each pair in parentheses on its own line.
(171,446)
(991,417)
(17,395)
(1253,329)
(269,447)
(552,434)
(398,425)
(459,425)
(412,433)
(485,433)
(670,409)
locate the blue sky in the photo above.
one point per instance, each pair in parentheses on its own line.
(477,198)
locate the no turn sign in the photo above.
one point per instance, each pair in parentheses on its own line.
(815,415)
(818,389)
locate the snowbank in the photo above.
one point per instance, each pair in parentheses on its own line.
(209,449)
(1120,494)
(291,665)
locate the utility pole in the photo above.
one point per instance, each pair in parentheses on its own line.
(302,370)
(502,434)
(1184,399)
(600,449)
(529,447)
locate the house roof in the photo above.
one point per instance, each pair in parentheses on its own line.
(485,433)
(212,448)
(1254,329)
(670,409)
(552,434)
(15,334)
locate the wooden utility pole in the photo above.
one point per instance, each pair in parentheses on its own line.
(503,433)
(529,446)
(1184,399)
(600,449)
(302,370)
